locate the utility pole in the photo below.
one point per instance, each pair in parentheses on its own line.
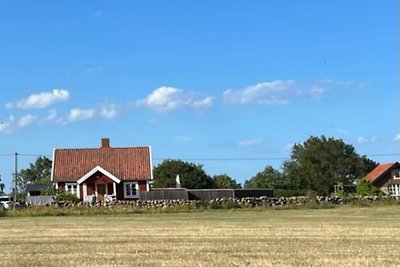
(15,175)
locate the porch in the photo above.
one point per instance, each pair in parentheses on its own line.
(104,192)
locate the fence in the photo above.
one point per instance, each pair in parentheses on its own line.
(39,200)
(166,193)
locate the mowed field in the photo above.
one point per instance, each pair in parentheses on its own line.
(345,236)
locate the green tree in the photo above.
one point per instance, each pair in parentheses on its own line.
(225,181)
(364,188)
(191,175)
(268,178)
(39,172)
(319,163)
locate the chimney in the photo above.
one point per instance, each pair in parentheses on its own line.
(105,143)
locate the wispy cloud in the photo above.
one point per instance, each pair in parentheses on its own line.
(51,117)
(268,93)
(250,143)
(366,140)
(6,126)
(11,124)
(282,92)
(41,100)
(203,103)
(397,137)
(165,99)
(77,114)
(27,120)
(109,111)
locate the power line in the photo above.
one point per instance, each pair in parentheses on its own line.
(33,155)
(206,159)
(261,158)
(6,155)
(225,159)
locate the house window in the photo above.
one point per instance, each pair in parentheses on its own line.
(72,188)
(396,174)
(130,190)
(394,190)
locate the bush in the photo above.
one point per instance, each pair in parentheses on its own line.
(229,204)
(364,188)
(289,192)
(61,195)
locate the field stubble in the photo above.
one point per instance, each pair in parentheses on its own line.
(346,236)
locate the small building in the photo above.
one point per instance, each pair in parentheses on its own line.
(386,176)
(35,189)
(104,173)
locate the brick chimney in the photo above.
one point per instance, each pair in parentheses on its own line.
(105,143)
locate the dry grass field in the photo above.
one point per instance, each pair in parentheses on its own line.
(345,236)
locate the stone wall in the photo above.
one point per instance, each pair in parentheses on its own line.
(247,202)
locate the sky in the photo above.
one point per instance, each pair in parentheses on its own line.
(230,85)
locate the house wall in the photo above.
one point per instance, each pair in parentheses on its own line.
(98,177)
(143,185)
(90,189)
(385,180)
(120,189)
(81,191)
(95,179)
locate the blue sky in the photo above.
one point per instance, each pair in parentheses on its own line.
(203,81)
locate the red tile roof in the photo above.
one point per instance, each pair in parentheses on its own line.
(379,171)
(126,163)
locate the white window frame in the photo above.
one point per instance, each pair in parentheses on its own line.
(132,185)
(394,190)
(68,187)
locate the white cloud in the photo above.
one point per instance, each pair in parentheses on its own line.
(397,137)
(11,124)
(249,143)
(203,103)
(366,140)
(165,99)
(7,126)
(282,92)
(109,111)
(52,117)
(41,100)
(27,120)
(77,114)
(267,93)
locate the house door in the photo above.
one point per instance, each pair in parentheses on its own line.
(101,191)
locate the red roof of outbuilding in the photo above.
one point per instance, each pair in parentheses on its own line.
(125,163)
(379,171)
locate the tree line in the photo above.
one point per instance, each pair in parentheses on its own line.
(314,167)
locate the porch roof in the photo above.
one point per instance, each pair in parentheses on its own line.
(98,169)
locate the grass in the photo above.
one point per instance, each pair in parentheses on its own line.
(345,236)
